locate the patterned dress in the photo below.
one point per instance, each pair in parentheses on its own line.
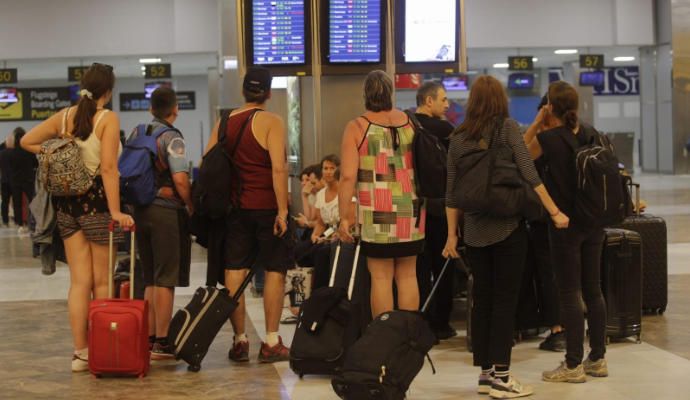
(389,210)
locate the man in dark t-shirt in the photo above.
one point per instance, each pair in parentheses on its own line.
(432,104)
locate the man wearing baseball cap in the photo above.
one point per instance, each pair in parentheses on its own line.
(257,230)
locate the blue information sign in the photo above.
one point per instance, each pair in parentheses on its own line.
(279,32)
(355,31)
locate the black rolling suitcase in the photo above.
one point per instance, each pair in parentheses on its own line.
(382,364)
(652,231)
(194,327)
(329,323)
(621,280)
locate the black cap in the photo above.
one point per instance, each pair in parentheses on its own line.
(257,80)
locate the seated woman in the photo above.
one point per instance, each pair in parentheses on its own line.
(315,251)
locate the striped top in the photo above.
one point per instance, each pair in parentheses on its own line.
(389,210)
(481,230)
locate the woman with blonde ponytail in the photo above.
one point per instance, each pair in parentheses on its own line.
(83,220)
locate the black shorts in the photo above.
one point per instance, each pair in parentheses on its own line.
(250,242)
(393,250)
(164,245)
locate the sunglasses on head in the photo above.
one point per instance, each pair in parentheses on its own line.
(109,67)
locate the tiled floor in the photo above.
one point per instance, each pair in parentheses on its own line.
(35,350)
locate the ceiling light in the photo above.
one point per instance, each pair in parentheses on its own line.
(501,65)
(623,59)
(566,51)
(535,59)
(149,60)
(143,68)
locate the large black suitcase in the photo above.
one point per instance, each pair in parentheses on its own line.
(329,322)
(382,364)
(621,280)
(652,231)
(194,327)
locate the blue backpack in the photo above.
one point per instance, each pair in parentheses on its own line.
(137,165)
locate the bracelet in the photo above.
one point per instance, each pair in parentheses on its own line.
(281,218)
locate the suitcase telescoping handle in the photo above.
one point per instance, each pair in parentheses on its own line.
(111,258)
(353,273)
(637,196)
(436,283)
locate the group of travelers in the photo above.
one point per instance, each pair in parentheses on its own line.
(17,171)
(368,193)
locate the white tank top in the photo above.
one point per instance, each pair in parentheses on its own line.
(91,147)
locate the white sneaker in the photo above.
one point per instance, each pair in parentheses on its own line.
(485,383)
(80,363)
(509,390)
(22,231)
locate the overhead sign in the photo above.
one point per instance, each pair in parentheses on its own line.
(591,61)
(74,74)
(186,100)
(620,81)
(158,71)
(134,102)
(520,63)
(8,76)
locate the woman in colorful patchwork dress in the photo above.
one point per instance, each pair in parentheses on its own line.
(377,167)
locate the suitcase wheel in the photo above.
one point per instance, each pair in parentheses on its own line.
(194,368)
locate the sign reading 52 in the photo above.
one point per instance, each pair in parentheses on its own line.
(158,71)
(8,75)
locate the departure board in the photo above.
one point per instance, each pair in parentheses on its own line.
(355,28)
(279,32)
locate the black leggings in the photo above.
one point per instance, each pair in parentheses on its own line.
(497,271)
(576,256)
(6,196)
(19,189)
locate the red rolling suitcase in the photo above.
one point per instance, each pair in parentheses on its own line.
(118,329)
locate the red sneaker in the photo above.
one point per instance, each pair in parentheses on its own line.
(274,354)
(239,352)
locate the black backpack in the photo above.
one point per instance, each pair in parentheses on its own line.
(430,161)
(601,198)
(213,190)
(377,369)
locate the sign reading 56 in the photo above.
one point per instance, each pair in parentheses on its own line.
(520,63)
(158,71)
(8,75)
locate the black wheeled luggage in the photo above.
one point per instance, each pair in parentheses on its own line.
(329,323)
(621,280)
(652,231)
(382,364)
(194,327)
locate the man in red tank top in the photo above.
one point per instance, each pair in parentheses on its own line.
(257,233)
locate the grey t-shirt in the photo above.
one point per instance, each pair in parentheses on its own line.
(172,156)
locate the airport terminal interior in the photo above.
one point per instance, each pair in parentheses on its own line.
(627,59)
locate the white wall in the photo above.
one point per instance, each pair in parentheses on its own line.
(550,23)
(73,28)
(192,123)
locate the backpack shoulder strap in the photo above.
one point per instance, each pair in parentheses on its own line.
(414,121)
(63,131)
(241,132)
(223,126)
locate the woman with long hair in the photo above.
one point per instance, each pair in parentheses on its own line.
(576,251)
(377,163)
(496,246)
(83,220)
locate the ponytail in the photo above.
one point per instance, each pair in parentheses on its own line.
(570,119)
(83,119)
(97,81)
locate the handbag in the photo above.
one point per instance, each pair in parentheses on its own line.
(488,181)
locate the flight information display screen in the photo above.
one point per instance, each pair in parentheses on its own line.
(279,32)
(430,31)
(354,31)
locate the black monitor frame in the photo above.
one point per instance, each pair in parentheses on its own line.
(278,69)
(402,66)
(352,68)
